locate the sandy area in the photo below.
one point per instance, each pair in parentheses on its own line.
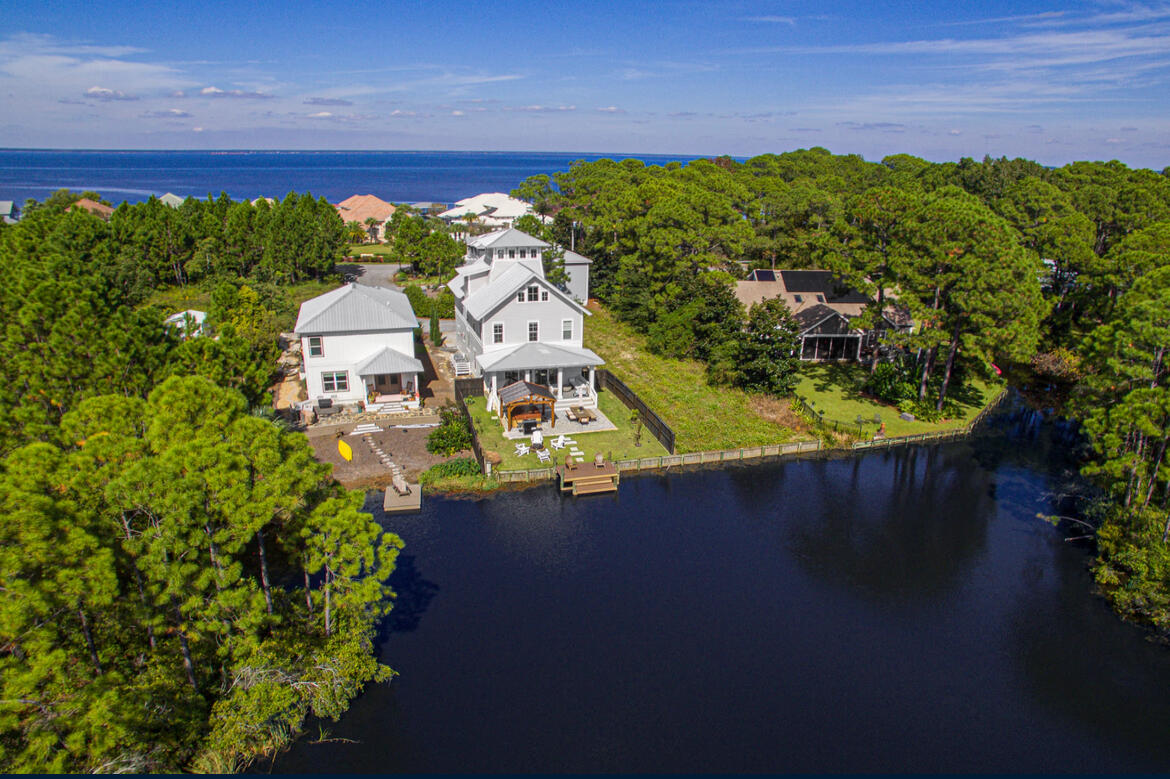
(407,447)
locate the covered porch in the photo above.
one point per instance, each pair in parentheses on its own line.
(391,377)
(569,374)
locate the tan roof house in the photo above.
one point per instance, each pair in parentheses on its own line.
(94,207)
(825,308)
(359,208)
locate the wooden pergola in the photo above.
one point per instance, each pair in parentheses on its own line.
(519,395)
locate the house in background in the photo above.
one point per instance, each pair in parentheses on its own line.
(357,345)
(493,209)
(9,212)
(92,206)
(513,325)
(189,323)
(825,308)
(360,208)
(171,199)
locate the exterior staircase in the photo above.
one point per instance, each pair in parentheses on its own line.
(461,365)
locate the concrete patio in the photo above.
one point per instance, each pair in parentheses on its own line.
(562,426)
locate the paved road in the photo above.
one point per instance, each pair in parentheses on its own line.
(375,274)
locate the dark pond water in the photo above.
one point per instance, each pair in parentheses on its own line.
(902,611)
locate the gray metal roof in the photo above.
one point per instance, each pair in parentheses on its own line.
(356,309)
(506,239)
(572,258)
(537,355)
(388,360)
(486,299)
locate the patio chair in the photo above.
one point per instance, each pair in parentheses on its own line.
(522,449)
(543,455)
(558,442)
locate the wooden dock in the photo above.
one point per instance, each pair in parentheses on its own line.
(588,478)
(394,503)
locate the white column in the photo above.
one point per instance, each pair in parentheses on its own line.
(528,375)
(495,398)
(560,382)
(593,380)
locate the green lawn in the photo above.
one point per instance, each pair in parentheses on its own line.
(703,417)
(614,444)
(835,389)
(377,249)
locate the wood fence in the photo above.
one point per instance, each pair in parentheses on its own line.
(650,420)
(470,388)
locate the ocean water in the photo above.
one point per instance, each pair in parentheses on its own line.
(396,176)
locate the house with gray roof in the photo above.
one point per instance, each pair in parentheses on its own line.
(357,345)
(171,199)
(512,324)
(9,213)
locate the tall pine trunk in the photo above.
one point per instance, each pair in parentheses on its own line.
(93,655)
(264,570)
(942,392)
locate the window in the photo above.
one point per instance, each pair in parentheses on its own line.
(534,331)
(316,346)
(523,253)
(511,254)
(520,297)
(567,329)
(335,382)
(820,298)
(544,295)
(798,298)
(533,293)
(498,333)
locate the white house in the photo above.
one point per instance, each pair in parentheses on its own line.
(357,344)
(189,323)
(494,209)
(514,325)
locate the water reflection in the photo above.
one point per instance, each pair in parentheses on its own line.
(903,525)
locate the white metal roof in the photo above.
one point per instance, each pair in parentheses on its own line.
(354,309)
(387,360)
(486,299)
(538,355)
(505,239)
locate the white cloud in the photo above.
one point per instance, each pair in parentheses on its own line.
(214,91)
(790,21)
(104,94)
(321,115)
(168,113)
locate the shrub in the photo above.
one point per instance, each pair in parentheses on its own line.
(889,383)
(457,468)
(450,437)
(424,305)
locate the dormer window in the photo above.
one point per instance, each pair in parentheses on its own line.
(798,298)
(820,298)
(534,294)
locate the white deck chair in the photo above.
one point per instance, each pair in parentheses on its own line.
(543,455)
(558,442)
(522,449)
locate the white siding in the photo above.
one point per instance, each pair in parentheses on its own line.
(515,317)
(343,353)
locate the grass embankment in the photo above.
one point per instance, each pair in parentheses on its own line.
(702,417)
(614,444)
(835,388)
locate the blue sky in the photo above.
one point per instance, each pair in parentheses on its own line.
(1053,82)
